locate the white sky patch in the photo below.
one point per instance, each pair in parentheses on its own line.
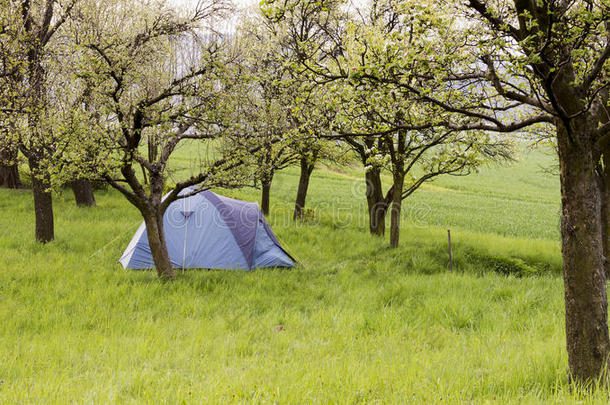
(227,26)
(193,3)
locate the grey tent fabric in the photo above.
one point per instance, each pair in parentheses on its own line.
(206,230)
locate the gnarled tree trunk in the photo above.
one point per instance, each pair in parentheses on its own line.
(396,209)
(299,205)
(9,170)
(605,212)
(603,162)
(377,204)
(588,344)
(83,192)
(156,240)
(43,203)
(266,190)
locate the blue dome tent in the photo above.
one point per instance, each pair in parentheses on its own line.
(210,231)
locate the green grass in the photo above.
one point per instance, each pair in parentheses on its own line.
(357,322)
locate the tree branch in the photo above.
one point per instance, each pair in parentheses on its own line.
(51,31)
(492,75)
(131,196)
(495,21)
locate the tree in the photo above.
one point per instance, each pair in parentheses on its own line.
(20,44)
(76,127)
(158,83)
(311,138)
(306,165)
(505,66)
(263,103)
(41,23)
(33,25)
(284,105)
(272,160)
(310,148)
(82,132)
(400,137)
(553,57)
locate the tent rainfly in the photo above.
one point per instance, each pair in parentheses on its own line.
(209,231)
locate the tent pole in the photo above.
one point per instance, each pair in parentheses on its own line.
(184,248)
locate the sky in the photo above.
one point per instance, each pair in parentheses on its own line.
(193,3)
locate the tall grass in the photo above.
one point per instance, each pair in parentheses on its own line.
(356,322)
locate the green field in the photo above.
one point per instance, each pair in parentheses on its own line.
(356,322)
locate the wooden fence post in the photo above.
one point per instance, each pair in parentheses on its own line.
(450,252)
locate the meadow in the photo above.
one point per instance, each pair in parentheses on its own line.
(355,322)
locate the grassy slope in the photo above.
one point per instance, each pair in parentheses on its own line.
(361,323)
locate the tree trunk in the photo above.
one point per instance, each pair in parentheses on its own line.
(299,205)
(158,246)
(605,212)
(9,170)
(587,339)
(266,185)
(396,209)
(377,205)
(603,162)
(83,192)
(43,203)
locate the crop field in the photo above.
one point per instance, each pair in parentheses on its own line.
(355,322)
